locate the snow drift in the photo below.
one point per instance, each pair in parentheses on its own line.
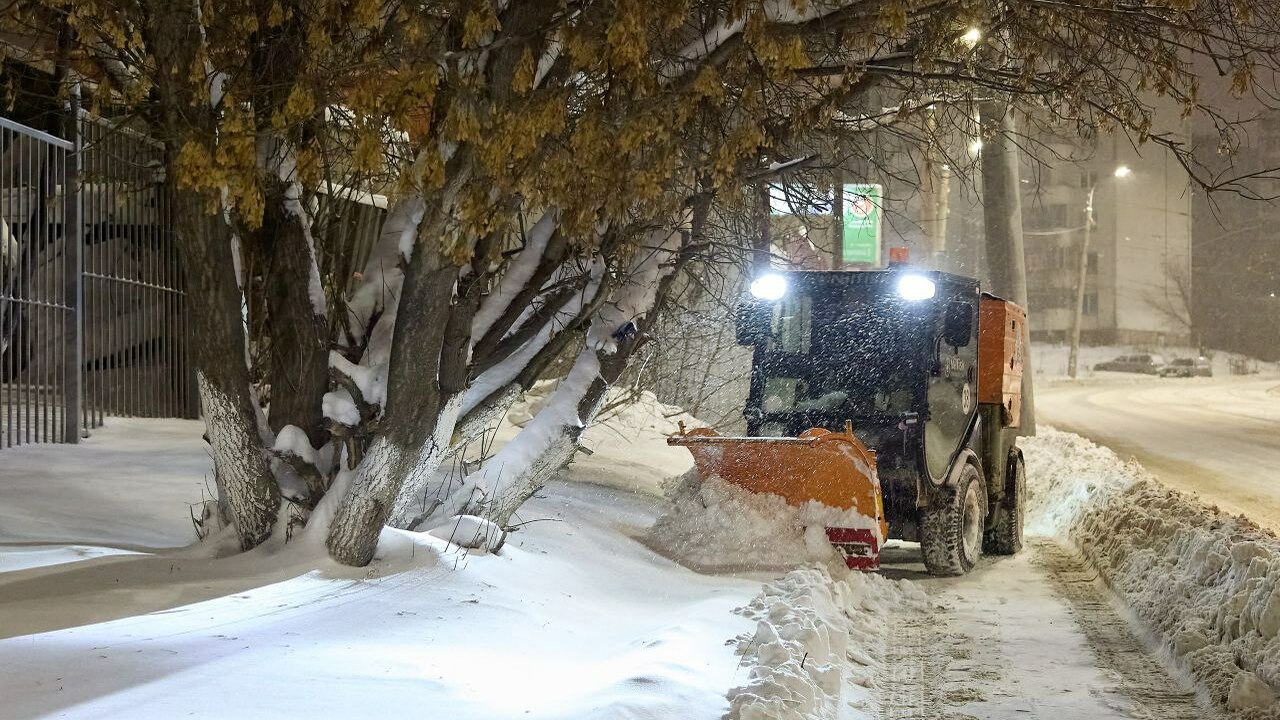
(1205,582)
(818,645)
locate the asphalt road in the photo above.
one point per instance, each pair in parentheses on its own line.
(1216,437)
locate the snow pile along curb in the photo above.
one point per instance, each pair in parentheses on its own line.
(1206,582)
(818,644)
(1067,473)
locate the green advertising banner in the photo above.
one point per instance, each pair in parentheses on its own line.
(861,236)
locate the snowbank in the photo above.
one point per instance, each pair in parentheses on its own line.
(471,532)
(818,645)
(716,525)
(1065,474)
(1205,582)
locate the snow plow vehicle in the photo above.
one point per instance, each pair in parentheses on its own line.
(893,395)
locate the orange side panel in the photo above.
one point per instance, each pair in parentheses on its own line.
(1001,338)
(835,469)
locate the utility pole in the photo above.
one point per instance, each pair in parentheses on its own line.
(837,208)
(1080,281)
(1002,218)
(935,191)
(1121,172)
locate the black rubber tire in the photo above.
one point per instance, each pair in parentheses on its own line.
(1004,537)
(951,528)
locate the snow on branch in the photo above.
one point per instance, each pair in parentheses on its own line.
(550,439)
(635,298)
(371,311)
(517,275)
(508,369)
(286,168)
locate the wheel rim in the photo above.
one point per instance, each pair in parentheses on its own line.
(971,525)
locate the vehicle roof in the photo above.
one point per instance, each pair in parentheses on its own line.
(870,277)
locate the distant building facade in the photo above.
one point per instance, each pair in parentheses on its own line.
(1138,285)
(1236,243)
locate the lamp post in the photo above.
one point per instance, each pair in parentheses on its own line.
(1121,172)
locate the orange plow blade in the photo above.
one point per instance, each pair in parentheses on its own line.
(832,468)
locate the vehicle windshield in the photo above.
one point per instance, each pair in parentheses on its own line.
(847,353)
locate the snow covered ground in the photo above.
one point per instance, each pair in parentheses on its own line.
(1204,582)
(1217,437)
(592,608)
(575,617)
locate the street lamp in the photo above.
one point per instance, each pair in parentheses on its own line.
(971,37)
(1121,172)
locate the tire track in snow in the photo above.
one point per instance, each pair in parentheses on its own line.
(1140,674)
(914,685)
(1033,636)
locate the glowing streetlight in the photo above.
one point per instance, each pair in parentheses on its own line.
(1121,172)
(971,37)
(975,146)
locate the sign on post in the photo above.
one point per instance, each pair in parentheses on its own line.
(860,241)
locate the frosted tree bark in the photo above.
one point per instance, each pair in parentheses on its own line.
(204,241)
(246,485)
(426,375)
(243,470)
(419,417)
(353,535)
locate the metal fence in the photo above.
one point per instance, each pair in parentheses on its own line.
(93,309)
(136,360)
(92,306)
(38,288)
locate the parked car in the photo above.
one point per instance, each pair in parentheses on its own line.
(1146,364)
(1187,367)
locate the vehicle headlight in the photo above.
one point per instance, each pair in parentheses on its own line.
(916,287)
(769,287)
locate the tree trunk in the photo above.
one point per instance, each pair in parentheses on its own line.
(299,348)
(204,240)
(240,461)
(1002,216)
(418,418)
(388,466)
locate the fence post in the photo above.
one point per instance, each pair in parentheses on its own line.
(73,279)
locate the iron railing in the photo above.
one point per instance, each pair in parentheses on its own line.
(136,353)
(39,288)
(93,307)
(92,304)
